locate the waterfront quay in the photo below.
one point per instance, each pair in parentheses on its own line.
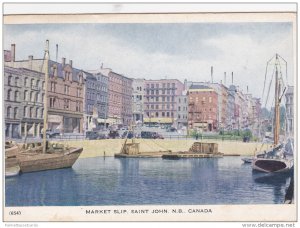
(109,147)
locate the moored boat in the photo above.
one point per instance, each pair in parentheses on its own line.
(280,158)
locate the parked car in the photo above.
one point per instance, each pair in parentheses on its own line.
(129,134)
(92,135)
(51,133)
(113,134)
(151,135)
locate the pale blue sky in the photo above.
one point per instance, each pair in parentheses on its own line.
(154,51)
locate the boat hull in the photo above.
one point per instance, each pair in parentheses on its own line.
(271,165)
(12,171)
(41,162)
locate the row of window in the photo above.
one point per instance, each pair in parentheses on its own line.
(163,107)
(157,85)
(163,92)
(98,97)
(28,112)
(53,103)
(33,83)
(156,114)
(32,96)
(96,86)
(160,99)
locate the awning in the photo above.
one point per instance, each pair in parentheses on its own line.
(99,120)
(113,121)
(158,120)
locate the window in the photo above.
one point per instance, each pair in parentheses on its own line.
(16,95)
(25,95)
(25,111)
(31,112)
(179,108)
(52,87)
(26,82)
(37,113)
(66,90)
(9,79)
(168,114)
(156,114)
(163,114)
(210,99)
(17,81)
(52,102)
(9,94)
(42,113)
(32,96)
(66,104)
(15,113)
(43,85)
(8,112)
(37,83)
(32,83)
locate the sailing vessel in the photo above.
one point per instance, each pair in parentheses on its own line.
(45,156)
(280,157)
(12,167)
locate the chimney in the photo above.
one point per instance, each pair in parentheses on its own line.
(71,63)
(232,78)
(211,74)
(13,53)
(63,61)
(30,58)
(101,66)
(224,78)
(56,53)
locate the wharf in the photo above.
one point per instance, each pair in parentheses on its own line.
(179,155)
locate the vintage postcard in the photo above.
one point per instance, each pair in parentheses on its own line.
(150,116)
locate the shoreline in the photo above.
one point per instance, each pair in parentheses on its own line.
(110,147)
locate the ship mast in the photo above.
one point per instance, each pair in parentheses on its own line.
(46,96)
(277,104)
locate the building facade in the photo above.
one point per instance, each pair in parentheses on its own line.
(289,106)
(182,110)
(23,102)
(202,108)
(96,101)
(138,100)
(119,97)
(160,100)
(65,91)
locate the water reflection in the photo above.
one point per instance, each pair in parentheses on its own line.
(277,181)
(140,181)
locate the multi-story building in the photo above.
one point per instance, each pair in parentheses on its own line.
(119,98)
(289,106)
(222,92)
(138,100)
(24,99)
(159,100)
(95,102)
(65,87)
(230,121)
(102,99)
(202,108)
(182,110)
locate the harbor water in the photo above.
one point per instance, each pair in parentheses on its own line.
(147,181)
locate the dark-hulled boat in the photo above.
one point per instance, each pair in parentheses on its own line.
(280,158)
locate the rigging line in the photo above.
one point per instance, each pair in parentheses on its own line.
(285,68)
(266,71)
(269,88)
(265,79)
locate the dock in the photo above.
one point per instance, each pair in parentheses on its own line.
(179,155)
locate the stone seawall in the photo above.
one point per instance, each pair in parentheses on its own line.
(109,147)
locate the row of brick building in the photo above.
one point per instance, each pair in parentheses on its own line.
(80,101)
